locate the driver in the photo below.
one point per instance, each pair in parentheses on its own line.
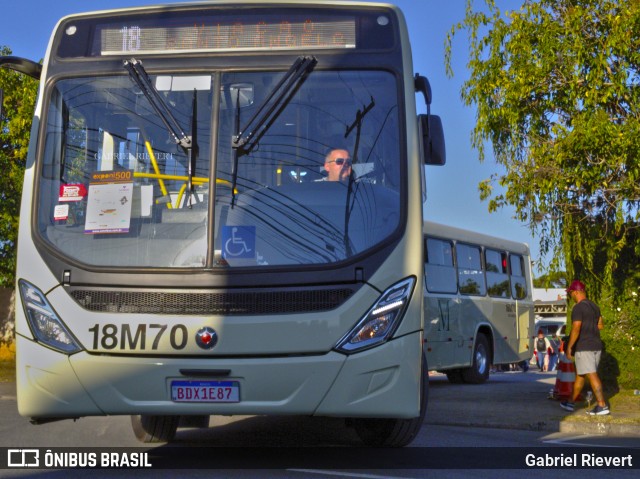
(337,164)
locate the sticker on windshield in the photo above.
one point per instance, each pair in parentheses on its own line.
(61,212)
(72,192)
(109,203)
(239,242)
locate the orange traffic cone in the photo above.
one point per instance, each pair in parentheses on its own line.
(565,379)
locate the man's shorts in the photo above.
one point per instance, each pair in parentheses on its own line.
(587,362)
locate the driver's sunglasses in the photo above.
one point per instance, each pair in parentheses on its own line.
(341,161)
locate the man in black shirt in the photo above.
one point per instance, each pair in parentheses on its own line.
(585,344)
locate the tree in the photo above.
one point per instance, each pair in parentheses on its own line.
(556,85)
(15,125)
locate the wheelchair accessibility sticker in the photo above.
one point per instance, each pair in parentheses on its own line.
(239,242)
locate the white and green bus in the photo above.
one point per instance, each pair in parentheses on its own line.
(478,302)
(180,255)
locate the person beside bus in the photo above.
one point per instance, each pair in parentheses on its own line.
(543,348)
(586,346)
(556,349)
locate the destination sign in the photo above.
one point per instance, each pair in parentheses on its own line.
(211,35)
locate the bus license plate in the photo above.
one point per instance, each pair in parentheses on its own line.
(205,391)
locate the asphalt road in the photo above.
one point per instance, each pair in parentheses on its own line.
(510,411)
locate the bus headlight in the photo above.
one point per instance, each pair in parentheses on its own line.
(381,320)
(45,324)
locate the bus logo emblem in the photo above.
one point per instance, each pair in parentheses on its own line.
(206,338)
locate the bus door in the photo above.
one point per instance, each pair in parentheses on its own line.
(475,309)
(442,305)
(523,308)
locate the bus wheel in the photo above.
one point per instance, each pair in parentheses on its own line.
(155,428)
(394,432)
(478,373)
(454,376)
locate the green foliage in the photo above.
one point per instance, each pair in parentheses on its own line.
(620,366)
(15,125)
(556,85)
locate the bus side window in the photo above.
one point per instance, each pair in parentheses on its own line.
(497,276)
(518,281)
(439,270)
(470,274)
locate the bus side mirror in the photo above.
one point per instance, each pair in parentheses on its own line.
(22,65)
(432,139)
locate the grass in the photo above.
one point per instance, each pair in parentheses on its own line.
(625,409)
(625,400)
(7,371)
(7,362)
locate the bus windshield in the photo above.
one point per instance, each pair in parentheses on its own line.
(116,190)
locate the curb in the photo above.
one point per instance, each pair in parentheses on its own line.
(599,428)
(572,427)
(546,426)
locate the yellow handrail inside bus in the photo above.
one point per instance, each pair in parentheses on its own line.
(154,163)
(161,177)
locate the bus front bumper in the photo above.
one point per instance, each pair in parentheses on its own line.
(381,382)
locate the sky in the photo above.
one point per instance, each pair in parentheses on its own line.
(453,197)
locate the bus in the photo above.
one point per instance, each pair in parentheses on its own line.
(478,302)
(181,253)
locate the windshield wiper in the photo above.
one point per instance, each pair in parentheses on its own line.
(187,142)
(245,139)
(357,124)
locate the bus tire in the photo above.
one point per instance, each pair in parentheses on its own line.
(394,432)
(454,376)
(478,373)
(148,428)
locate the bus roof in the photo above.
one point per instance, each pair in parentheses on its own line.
(236,3)
(451,232)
